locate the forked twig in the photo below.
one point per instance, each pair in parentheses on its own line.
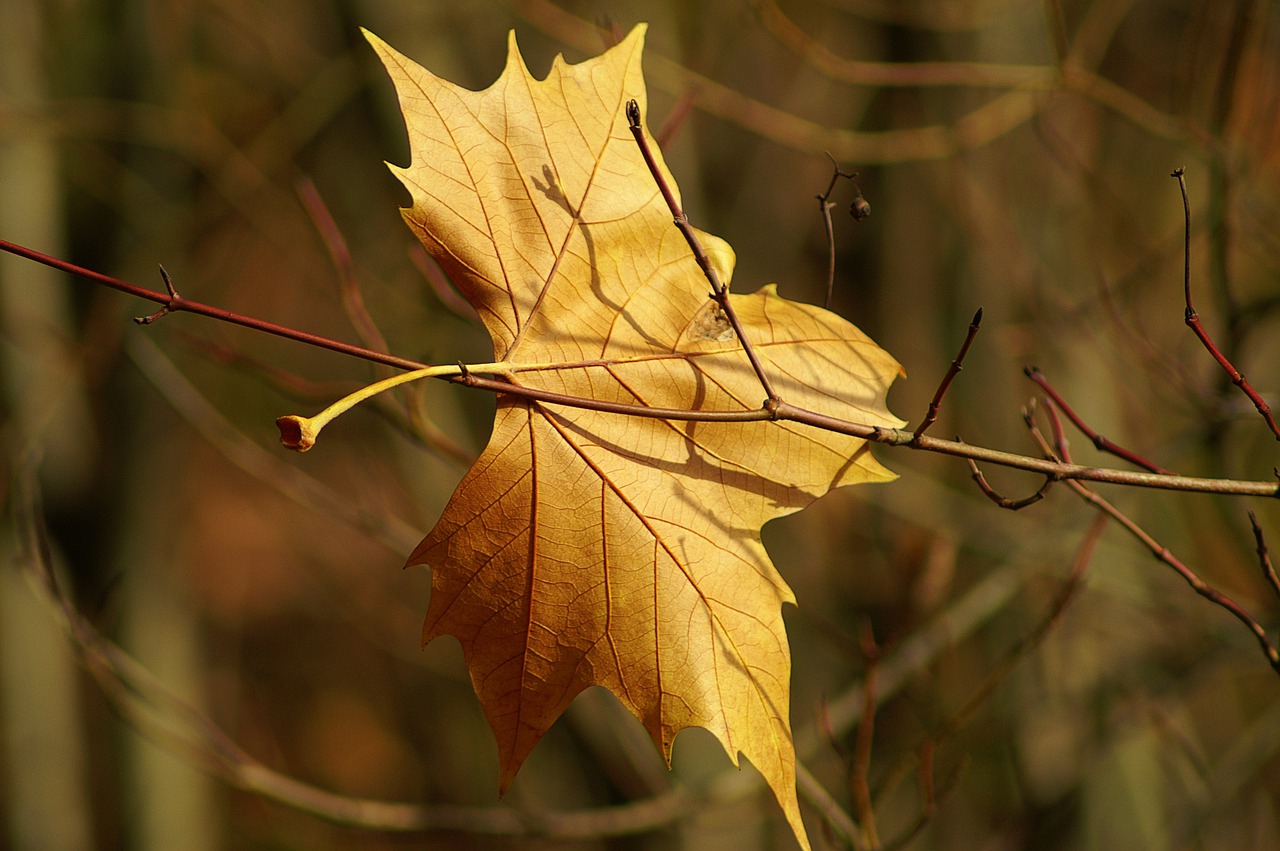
(1193,579)
(1103,444)
(1192,318)
(719,290)
(172,304)
(859,212)
(956,365)
(1165,556)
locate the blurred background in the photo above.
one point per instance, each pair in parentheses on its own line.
(1016,155)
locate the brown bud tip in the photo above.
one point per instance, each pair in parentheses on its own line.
(296,433)
(860,208)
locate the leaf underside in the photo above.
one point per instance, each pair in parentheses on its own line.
(587,548)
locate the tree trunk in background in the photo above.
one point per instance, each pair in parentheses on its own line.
(47,798)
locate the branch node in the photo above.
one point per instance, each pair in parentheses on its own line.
(173,305)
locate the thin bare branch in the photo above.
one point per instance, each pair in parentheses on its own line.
(1164,556)
(956,365)
(1264,556)
(1192,318)
(173,302)
(1004,502)
(824,208)
(719,290)
(772,410)
(1059,449)
(1103,444)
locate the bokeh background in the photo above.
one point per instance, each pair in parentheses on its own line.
(1016,155)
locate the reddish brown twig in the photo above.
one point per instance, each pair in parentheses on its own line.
(1164,556)
(1061,450)
(1103,444)
(173,303)
(1264,556)
(719,290)
(1193,579)
(1192,318)
(1004,502)
(956,365)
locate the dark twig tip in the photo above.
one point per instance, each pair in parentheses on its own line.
(952,372)
(168,282)
(633,114)
(1178,172)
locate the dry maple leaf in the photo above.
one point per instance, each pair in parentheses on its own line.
(589,548)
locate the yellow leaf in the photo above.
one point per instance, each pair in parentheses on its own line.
(588,548)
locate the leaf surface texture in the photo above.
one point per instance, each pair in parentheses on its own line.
(587,548)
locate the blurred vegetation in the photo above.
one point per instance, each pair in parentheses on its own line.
(1029,176)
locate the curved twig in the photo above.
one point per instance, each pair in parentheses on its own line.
(1192,318)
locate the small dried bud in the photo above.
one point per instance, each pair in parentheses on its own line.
(860,208)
